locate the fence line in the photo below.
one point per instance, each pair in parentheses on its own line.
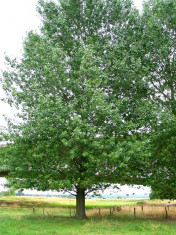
(146,211)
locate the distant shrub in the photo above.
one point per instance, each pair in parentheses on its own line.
(7,193)
(163,192)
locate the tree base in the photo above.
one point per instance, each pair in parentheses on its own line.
(80,204)
(81,217)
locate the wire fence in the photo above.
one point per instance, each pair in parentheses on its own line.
(135,211)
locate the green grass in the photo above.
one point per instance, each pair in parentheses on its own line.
(22,221)
(65,202)
(56,218)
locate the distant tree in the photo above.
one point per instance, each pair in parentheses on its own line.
(163,191)
(19,193)
(9,192)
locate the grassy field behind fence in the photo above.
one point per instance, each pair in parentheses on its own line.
(64,202)
(56,216)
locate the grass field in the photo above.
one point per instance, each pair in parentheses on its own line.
(65,202)
(56,219)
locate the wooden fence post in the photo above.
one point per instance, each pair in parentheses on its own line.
(142,208)
(110,212)
(134,212)
(70,211)
(166,212)
(33,210)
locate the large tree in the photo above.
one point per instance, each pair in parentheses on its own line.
(81,94)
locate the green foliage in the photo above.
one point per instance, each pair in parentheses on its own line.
(159,45)
(160,50)
(81,94)
(10,192)
(163,191)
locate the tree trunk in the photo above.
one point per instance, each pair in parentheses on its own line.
(80,203)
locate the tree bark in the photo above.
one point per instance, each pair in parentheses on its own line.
(80,203)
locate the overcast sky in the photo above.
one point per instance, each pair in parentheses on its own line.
(17,17)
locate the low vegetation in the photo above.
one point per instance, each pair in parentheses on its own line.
(56,216)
